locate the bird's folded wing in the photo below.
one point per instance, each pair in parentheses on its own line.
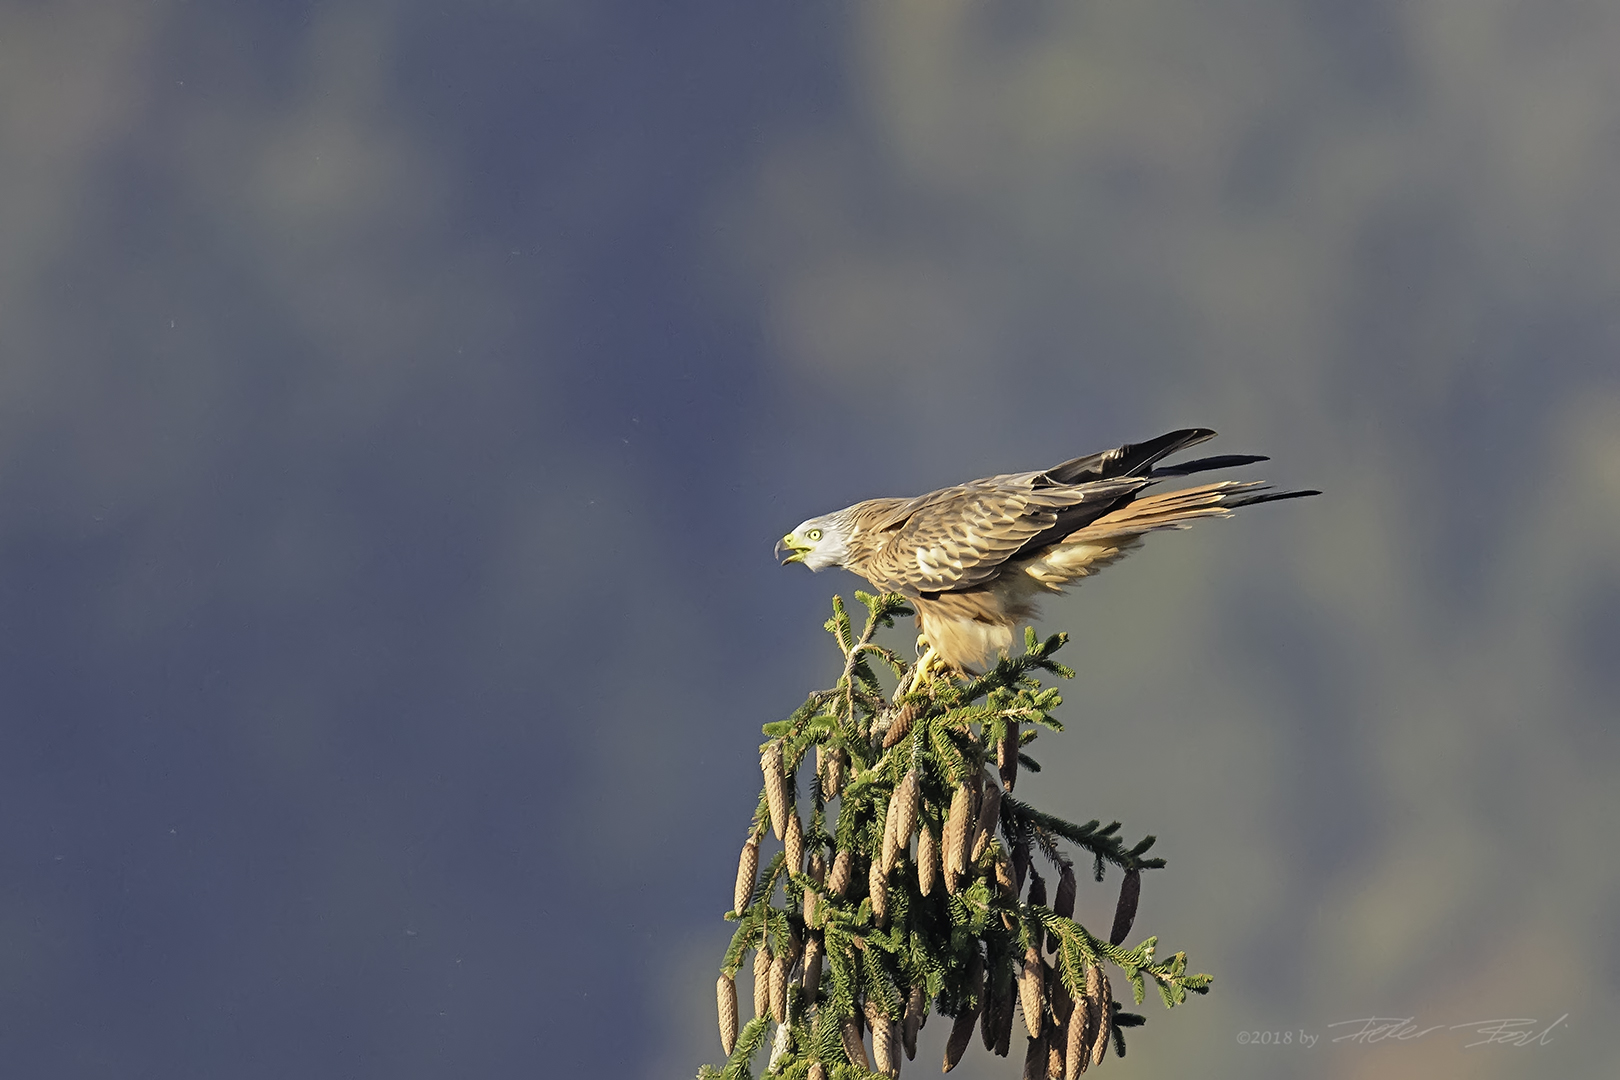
(959,537)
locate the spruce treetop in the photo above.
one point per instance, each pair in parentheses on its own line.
(907,882)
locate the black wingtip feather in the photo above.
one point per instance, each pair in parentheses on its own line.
(1270,496)
(1132,459)
(1222,461)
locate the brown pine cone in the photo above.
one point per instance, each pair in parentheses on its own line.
(915,1006)
(877,884)
(1004,1020)
(843,869)
(884,1058)
(1035,1058)
(927,859)
(961,1035)
(990,1015)
(957,827)
(770,763)
(962,1029)
(1004,878)
(812,969)
(1037,898)
(854,1048)
(1032,973)
(1076,1052)
(725,991)
(817,1071)
(1093,1006)
(1130,890)
(835,775)
(1037,888)
(900,725)
(905,819)
(989,821)
(890,816)
(747,874)
(812,897)
(762,980)
(1058,995)
(1105,1019)
(1001,990)
(1007,755)
(779,979)
(1063,904)
(1056,1039)
(794,842)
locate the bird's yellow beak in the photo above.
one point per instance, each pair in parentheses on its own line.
(793,546)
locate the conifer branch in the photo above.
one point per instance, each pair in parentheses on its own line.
(1100,841)
(913,777)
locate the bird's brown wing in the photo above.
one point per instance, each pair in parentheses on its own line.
(957,538)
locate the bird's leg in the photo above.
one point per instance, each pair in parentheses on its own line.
(923,670)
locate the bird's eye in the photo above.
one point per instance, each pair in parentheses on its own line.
(813,535)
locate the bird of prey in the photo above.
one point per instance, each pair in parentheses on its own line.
(974,559)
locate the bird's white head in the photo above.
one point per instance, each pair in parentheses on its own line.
(818,543)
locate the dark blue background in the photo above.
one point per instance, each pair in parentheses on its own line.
(398,404)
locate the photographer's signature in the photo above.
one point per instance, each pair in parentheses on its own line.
(1505,1031)
(1518,1031)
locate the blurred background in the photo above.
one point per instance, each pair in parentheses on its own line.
(399,402)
